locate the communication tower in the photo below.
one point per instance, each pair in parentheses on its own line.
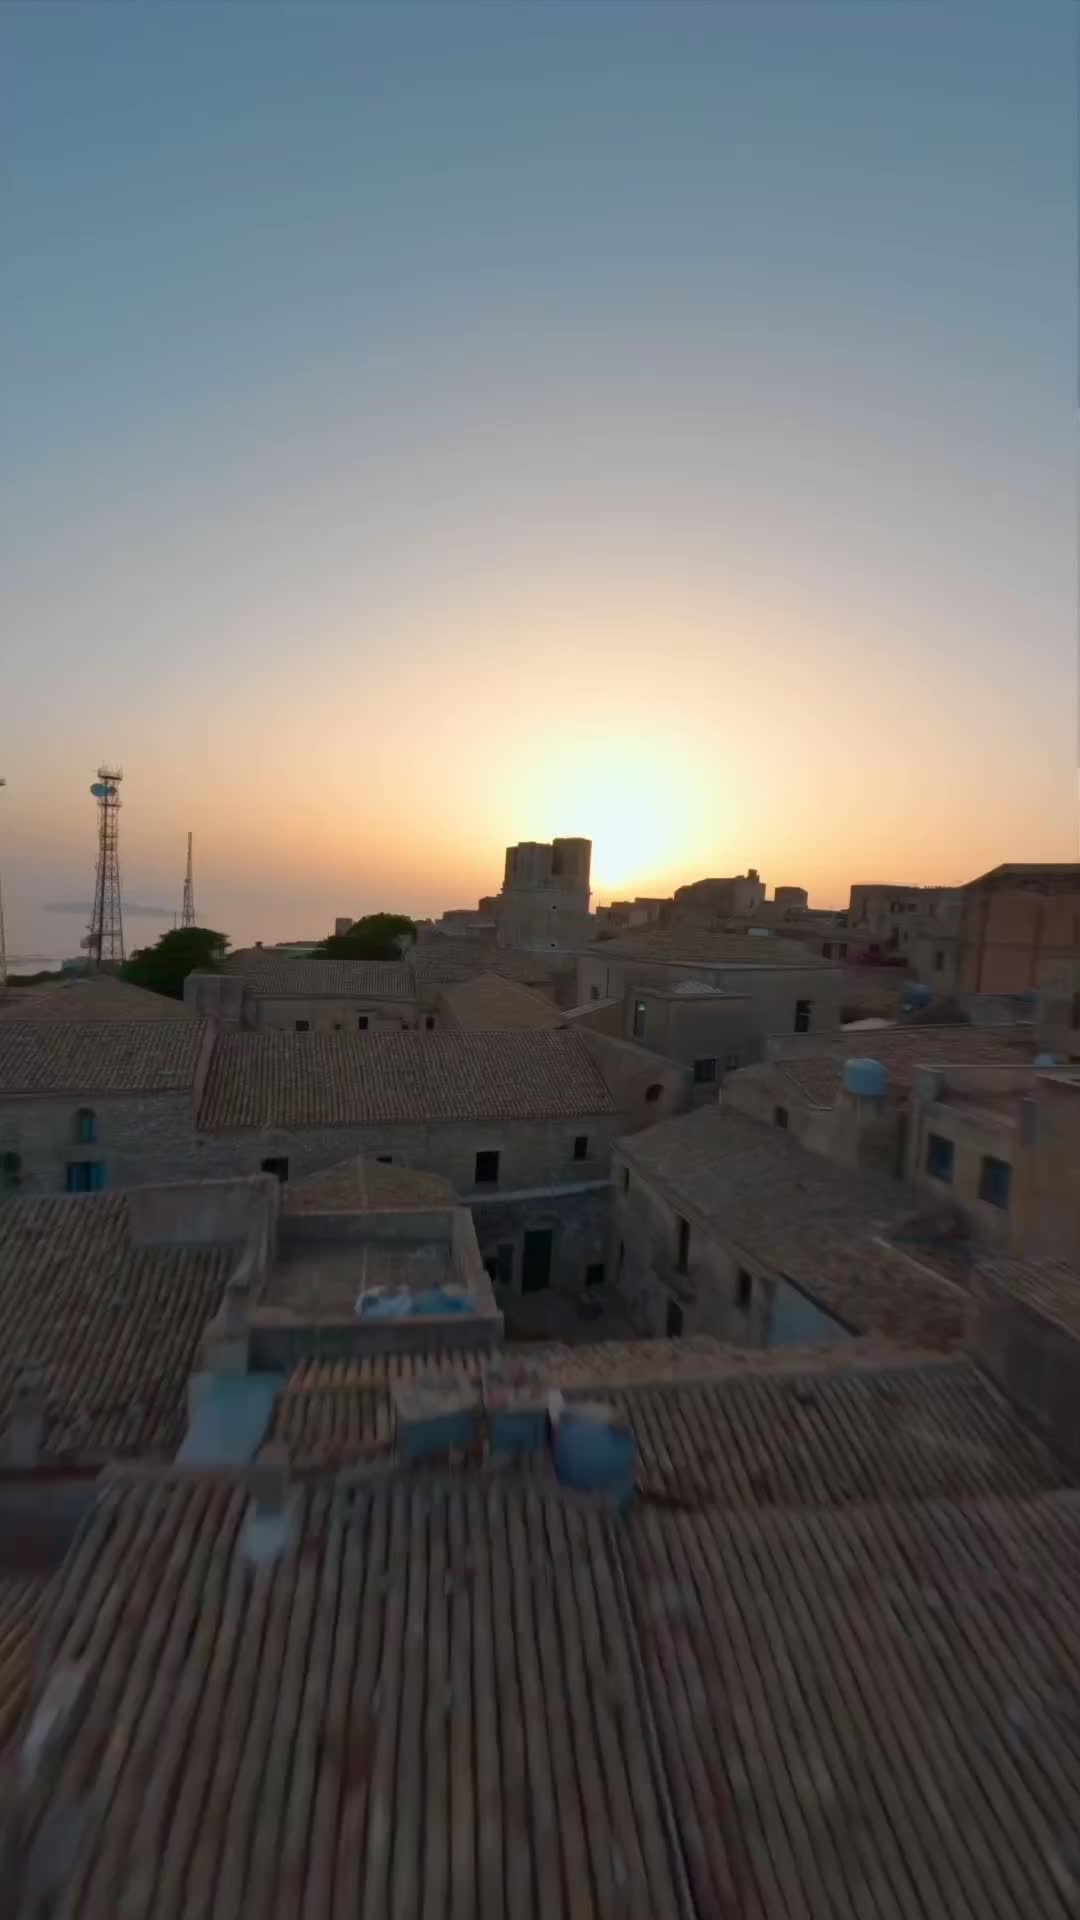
(105,941)
(187,912)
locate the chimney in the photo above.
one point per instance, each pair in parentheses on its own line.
(26,1433)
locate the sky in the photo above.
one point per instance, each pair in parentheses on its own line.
(429,426)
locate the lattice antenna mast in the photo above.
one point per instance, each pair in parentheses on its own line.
(106,940)
(187,914)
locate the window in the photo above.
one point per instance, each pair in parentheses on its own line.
(939,1157)
(939,960)
(802,1016)
(504,1263)
(995,1179)
(626,1179)
(826,950)
(652,1094)
(581,1146)
(841,951)
(486,1172)
(620,1262)
(385,1159)
(674,1323)
(704,1072)
(744,1290)
(429,1023)
(302,1026)
(594,993)
(85,1176)
(277,1164)
(780,1116)
(731,1062)
(85,1127)
(594,1274)
(362,1022)
(11,1168)
(639,1019)
(536,1259)
(682,1256)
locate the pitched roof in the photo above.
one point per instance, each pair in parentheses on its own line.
(765,1690)
(706,946)
(92,997)
(364,1186)
(819,1077)
(311,977)
(21,1598)
(1050,1288)
(115,1327)
(819,1225)
(98,1056)
(734,1426)
(431,1703)
(490,1004)
(859,1711)
(341,1079)
(437,960)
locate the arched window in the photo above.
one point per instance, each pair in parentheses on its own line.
(85,1127)
(653,1093)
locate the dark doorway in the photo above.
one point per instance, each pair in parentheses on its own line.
(536,1260)
(674,1320)
(277,1163)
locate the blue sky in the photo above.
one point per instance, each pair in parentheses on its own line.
(430,426)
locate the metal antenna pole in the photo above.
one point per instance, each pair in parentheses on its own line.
(187,917)
(106,941)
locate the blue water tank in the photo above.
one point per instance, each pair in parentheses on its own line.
(1046,1060)
(916,995)
(865,1079)
(594,1451)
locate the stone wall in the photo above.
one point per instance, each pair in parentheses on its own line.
(141,1139)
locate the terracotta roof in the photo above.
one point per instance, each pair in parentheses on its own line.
(804,1218)
(705,946)
(431,1705)
(437,960)
(916,1432)
(97,997)
(366,1186)
(490,1004)
(818,1077)
(479,1696)
(1051,1288)
(98,1056)
(21,1599)
(860,1711)
(276,975)
(116,1328)
(337,1079)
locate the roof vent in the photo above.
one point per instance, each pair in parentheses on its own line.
(864,1079)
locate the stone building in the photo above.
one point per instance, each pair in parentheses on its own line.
(1018,932)
(890,921)
(726,1225)
(708,998)
(520,1123)
(544,902)
(90,1103)
(713,900)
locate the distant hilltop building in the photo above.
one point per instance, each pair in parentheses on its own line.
(718,899)
(545,895)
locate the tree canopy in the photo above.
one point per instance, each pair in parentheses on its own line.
(163,968)
(375,937)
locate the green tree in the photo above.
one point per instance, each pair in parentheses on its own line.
(375,937)
(164,968)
